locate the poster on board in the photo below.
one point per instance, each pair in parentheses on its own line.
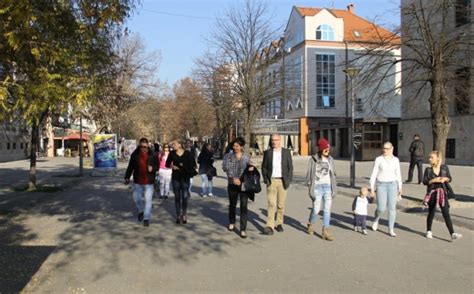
(128,147)
(105,151)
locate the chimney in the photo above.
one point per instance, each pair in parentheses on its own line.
(350,8)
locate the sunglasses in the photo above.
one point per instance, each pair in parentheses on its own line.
(143,147)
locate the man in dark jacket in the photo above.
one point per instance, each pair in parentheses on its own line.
(417,155)
(277,173)
(143,165)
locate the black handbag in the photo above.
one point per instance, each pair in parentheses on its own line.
(251,181)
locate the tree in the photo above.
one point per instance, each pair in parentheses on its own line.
(433,51)
(53,54)
(192,112)
(215,77)
(241,36)
(129,79)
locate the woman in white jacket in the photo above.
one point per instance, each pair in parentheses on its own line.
(386,180)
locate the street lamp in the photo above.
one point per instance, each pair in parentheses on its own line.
(352,73)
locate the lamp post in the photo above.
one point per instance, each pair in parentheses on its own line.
(352,73)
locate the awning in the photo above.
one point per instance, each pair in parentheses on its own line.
(74,135)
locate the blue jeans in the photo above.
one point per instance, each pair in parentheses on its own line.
(181,195)
(322,192)
(387,195)
(206,185)
(138,192)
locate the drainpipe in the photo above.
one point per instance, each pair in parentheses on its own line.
(347,81)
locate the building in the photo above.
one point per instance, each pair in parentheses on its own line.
(14,141)
(308,71)
(416,113)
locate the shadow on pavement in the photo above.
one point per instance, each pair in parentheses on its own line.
(18,265)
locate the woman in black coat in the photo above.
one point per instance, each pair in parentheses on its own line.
(437,178)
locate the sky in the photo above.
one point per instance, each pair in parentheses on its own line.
(178,29)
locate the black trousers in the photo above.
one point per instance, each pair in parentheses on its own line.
(234,193)
(419,165)
(361,221)
(444,211)
(181,195)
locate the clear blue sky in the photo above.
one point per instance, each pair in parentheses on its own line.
(177,28)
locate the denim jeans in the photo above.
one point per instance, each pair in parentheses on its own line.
(322,193)
(181,195)
(138,192)
(206,185)
(387,195)
(165,181)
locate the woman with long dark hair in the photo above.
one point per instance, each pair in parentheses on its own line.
(234,165)
(183,165)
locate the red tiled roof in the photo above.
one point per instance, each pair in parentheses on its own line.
(369,32)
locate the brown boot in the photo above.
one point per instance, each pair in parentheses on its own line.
(310,229)
(327,234)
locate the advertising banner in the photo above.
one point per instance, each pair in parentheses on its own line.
(105,151)
(128,147)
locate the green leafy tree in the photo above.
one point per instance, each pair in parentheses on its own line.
(52,55)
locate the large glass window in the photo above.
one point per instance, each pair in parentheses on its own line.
(325,80)
(325,32)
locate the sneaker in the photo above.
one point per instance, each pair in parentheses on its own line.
(392,233)
(140,216)
(243,235)
(268,231)
(456,236)
(429,235)
(356,228)
(209,195)
(375,225)
(146,223)
(364,232)
(204,195)
(310,229)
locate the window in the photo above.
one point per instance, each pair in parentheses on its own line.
(462,100)
(358,104)
(325,33)
(451,148)
(21,145)
(463,12)
(8,146)
(14,145)
(325,80)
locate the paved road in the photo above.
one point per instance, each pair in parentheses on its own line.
(86,240)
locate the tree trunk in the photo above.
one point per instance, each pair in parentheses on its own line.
(34,148)
(440,121)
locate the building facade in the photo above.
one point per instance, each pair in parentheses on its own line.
(416,112)
(318,45)
(14,141)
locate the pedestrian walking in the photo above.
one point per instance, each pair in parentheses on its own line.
(193,151)
(359,208)
(143,166)
(277,172)
(417,155)
(164,173)
(438,192)
(184,168)
(322,183)
(386,180)
(234,164)
(206,169)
